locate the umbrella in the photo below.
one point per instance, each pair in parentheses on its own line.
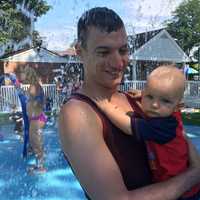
(192,71)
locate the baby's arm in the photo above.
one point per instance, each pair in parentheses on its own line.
(118,117)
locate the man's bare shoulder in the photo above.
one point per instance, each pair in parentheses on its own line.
(76,108)
(79,127)
(78,117)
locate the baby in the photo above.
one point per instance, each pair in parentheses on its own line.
(157,120)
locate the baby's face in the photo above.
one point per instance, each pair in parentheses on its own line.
(159,99)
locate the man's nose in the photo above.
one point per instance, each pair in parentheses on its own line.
(117,61)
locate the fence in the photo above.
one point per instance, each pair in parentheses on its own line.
(9,96)
(192,94)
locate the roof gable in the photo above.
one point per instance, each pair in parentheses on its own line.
(162,47)
(139,39)
(34,55)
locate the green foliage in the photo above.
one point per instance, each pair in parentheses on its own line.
(14,24)
(191,118)
(37,40)
(185,24)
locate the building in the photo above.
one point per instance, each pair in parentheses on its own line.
(147,51)
(47,63)
(75,66)
(151,49)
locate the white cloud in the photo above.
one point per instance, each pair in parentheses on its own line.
(151,8)
(146,14)
(138,15)
(58,39)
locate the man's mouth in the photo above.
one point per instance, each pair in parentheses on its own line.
(114,73)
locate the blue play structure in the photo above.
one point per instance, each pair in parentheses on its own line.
(23,100)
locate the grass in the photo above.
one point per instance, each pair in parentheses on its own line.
(4,118)
(191,118)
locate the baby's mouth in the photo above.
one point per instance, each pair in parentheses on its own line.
(152,114)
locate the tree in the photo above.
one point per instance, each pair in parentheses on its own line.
(16,18)
(185,24)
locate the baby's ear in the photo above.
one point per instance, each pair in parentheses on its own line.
(180,106)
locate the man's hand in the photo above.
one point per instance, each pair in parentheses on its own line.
(194,157)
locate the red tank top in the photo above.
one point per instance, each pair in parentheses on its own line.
(129,153)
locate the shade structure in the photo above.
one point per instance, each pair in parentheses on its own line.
(192,71)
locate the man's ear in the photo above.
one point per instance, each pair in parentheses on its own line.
(134,93)
(142,93)
(78,48)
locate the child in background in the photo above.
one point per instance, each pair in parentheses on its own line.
(17,118)
(37,118)
(157,120)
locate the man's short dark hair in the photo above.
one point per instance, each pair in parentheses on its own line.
(106,20)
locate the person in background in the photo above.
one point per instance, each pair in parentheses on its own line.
(109,164)
(186,68)
(157,120)
(37,117)
(49,104)
(17,118)
(77,84)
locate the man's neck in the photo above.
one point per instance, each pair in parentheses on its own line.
(94,90)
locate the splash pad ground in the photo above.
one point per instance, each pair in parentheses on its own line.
(58,183)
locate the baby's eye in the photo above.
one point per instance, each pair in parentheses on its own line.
(166,101)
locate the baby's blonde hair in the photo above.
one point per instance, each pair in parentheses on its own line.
(169,74)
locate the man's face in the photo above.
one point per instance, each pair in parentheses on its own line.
(105,57)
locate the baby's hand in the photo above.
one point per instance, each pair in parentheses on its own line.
(104,104)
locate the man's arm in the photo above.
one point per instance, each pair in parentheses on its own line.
(82,142)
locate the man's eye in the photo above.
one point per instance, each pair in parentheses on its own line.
(102,53)
(149,96)
(123,51)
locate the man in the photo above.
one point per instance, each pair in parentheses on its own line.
(109,164)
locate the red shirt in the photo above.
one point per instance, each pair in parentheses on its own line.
(170,158)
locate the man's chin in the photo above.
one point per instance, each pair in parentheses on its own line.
(112,86)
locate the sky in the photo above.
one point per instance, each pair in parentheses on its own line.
(58,25)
